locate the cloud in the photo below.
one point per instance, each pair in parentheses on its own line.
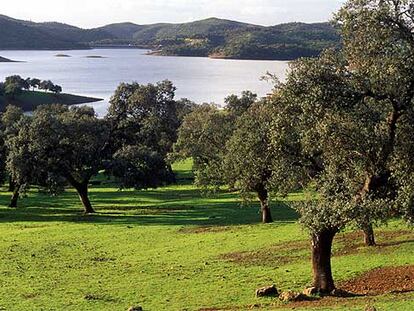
(91,13)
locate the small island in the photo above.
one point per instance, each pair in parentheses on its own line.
(94,56)
(31,93)
(62,55)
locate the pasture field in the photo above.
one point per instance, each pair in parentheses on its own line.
(173,249)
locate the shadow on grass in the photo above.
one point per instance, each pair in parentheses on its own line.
(164,206)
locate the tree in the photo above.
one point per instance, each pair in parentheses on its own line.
(2,89)
(144,120)
(34,83)
(379,45)
(56,89)
(351,115)
(16,79)
(3,154)
(46,85)
(62,142)
(248,159)
(238,105)
(203,136)
(12,90)
(10,126)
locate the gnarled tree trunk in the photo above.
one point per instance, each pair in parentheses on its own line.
(82,190)
(321,260)
(263,196)
(369,236)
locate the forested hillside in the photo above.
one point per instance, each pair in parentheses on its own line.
(211,37)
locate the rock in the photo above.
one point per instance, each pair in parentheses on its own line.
(370,308)
(268,291)
(135,308)
(311,291)
(291,296)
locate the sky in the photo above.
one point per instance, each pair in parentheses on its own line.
(94,13)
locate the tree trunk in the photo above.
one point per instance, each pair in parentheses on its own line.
(171,178)
(12,185)
(321,260)
(264,205)
(82,190)
(15,197)
(369,236)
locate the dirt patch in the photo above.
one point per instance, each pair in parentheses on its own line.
(276,255)
(389,280)
(352,243)
(382,281)
(344,244)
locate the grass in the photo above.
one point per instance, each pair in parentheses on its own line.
(29,100)
(166,249)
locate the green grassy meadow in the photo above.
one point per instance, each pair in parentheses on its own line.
(171,249)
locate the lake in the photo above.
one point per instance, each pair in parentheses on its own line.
(196,78)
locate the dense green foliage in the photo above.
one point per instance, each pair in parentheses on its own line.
(144,120)
(210,37)
(60,145)
(230,147)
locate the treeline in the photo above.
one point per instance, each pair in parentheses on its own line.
(340,129)
(59,146)
(14,85)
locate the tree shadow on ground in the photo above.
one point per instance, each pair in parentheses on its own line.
(165,206)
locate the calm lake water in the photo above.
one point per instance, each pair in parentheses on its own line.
(198,79)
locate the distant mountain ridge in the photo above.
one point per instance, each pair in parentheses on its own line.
(211,37)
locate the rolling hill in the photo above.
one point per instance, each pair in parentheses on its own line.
(211,37)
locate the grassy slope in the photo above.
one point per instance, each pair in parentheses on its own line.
(135,252)
(29,100)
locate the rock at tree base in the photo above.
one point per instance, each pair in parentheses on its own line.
(311,291)
(268,291)
(135,308)
(291,296)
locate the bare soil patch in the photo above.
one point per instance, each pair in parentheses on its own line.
(276,255)
(345,244)
(352,243)
(382,281)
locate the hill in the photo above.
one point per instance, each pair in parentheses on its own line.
(16,34)
(210,37)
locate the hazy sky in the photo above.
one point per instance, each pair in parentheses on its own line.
(92,13)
